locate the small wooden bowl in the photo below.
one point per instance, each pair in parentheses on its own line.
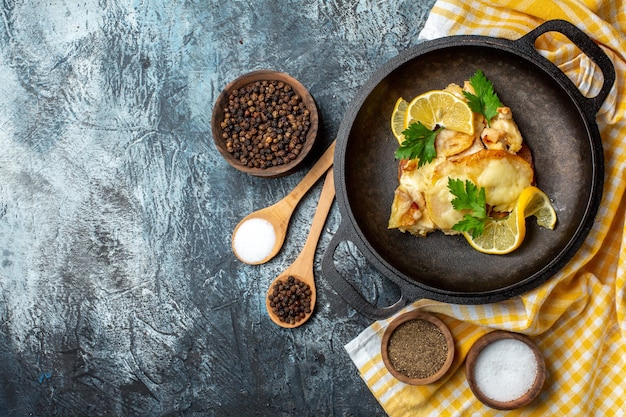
(417,315)
(218,118)
(470,366)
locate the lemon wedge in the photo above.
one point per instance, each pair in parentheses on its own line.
(440,108)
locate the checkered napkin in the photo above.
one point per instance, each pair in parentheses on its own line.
(578,317)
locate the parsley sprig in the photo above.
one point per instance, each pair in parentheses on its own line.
(419,142)
(469,197)
(486,101)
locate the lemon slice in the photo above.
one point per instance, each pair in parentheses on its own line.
(506,235)
(535,202)
(500,236)
(440,108)
(397,119)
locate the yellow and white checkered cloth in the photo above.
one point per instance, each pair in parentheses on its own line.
(578,317)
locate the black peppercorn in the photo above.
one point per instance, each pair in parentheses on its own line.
(261,114)
(290,299)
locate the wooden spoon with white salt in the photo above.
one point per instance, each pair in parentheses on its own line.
(259,236)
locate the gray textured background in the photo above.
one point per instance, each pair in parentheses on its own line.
(119,294)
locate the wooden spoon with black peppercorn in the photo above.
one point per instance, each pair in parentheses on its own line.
(279,214)
(291,297)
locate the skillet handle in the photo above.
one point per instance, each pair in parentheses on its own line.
(587,46)
(346,290)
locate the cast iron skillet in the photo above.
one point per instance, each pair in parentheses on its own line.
(556,121)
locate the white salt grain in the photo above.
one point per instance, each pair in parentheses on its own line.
(254,240)
(505,370)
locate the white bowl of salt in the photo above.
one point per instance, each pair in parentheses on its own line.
(505,370)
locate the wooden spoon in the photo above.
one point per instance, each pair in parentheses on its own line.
(279,214)
(302,268)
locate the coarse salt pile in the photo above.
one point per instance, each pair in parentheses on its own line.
(254,240)
(505,370)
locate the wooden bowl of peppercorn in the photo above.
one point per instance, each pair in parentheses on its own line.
(417,348)
(265,123)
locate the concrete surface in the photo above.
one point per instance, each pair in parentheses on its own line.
(119,293)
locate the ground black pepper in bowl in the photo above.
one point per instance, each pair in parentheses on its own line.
(417,348)
(265,123)
(290,299)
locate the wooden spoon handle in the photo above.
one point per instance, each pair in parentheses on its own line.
(304,261)
(321,166)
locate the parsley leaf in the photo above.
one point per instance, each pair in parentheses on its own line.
(485,101)
(469,197)
(419,142)
(470,224)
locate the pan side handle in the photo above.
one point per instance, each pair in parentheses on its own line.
(347,291)
(587,46)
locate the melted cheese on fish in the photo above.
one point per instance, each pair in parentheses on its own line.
(503,175)
(423,202)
